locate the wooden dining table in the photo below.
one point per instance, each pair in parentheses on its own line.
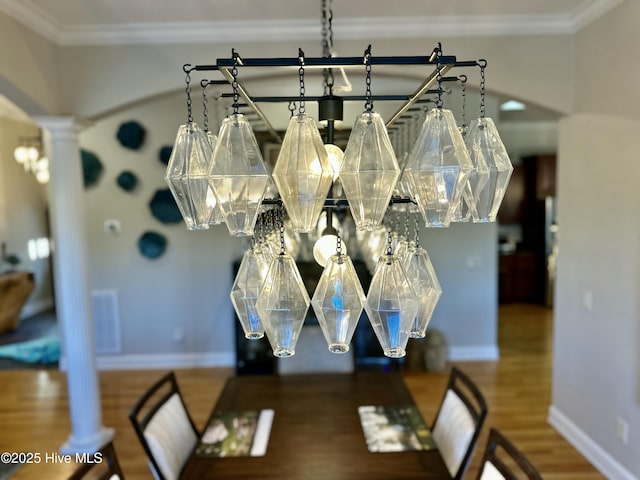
(316,431)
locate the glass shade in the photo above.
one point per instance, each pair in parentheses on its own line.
(338,301)
(391,306)
(282,305)
(238,175)
(216,214)
(369,171)
(438,168)
(186,176)
(302,173)
(487,152)
(246,288)
(423,279)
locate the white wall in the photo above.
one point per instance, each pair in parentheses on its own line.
(596,374)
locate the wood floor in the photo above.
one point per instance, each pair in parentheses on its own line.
(34,408)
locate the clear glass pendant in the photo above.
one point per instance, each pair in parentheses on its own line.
(489,153)
(302,173)
(282,305)
(246,288)
(238,175)
(369,171)
(391,306)
(423,279)
(216,214)
(338,301)
(186,176)
(438,168)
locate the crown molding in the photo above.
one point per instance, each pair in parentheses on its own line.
(296,30)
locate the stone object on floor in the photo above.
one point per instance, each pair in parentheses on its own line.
(15,288)
(436,351)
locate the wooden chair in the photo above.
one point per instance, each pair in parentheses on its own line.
(106,466)
(502,460)
(164,427)
(458,422)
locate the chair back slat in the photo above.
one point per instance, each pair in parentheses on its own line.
(502,456)
(161,409)
(458,422)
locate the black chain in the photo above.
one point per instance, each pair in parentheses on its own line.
(292,107)
(205,109)
(389,241)
(463,81)
(339,245)
(281,222)
(301,108)
(234,83)
(187,70)
(417,230)
(367,57)
(483,64)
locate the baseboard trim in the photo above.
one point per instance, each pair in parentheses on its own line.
(594,453)
(156,361)
(474,353)
(35,307)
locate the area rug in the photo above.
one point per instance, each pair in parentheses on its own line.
(44,350)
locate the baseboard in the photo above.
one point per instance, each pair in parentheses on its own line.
(36,306)
(163,361)
(594,453)
(474,353)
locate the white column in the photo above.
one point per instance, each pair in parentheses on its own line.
(73,302)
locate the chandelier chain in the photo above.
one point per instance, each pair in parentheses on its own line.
(205,109)
(327,44)
(483,64)
(463,84)
(389,242)
(188,91)
(281,224)
(368,103)
(339,245)
(416,229)
(301,108)
(234,83)
(292,107)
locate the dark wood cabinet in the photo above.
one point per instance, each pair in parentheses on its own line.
(522,274)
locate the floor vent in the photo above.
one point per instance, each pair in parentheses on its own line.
(106,320)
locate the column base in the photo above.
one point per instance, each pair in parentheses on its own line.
(87,445)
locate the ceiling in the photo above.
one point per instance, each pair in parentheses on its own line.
(162,22)
(94,22)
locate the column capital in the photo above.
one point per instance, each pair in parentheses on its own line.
(61,123)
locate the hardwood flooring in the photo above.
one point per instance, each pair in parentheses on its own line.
(34,405)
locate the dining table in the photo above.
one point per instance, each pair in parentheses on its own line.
(316,431)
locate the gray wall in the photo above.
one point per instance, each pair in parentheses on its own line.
(596,374)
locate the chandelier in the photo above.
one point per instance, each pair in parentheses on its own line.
(29,154)
(417,163)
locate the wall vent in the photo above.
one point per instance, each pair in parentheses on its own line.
(106,320)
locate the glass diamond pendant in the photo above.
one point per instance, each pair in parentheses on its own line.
(302,173)
(338,301)
(216,214)
(186,176)
(438,168)
(282,305)
(238,175)
(246,288)
(424,281)
(369,171)
(391,306)
(487,150)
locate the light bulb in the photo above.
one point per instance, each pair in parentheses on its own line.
(42,176)
(325,246)
(336,156)
(21,154)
